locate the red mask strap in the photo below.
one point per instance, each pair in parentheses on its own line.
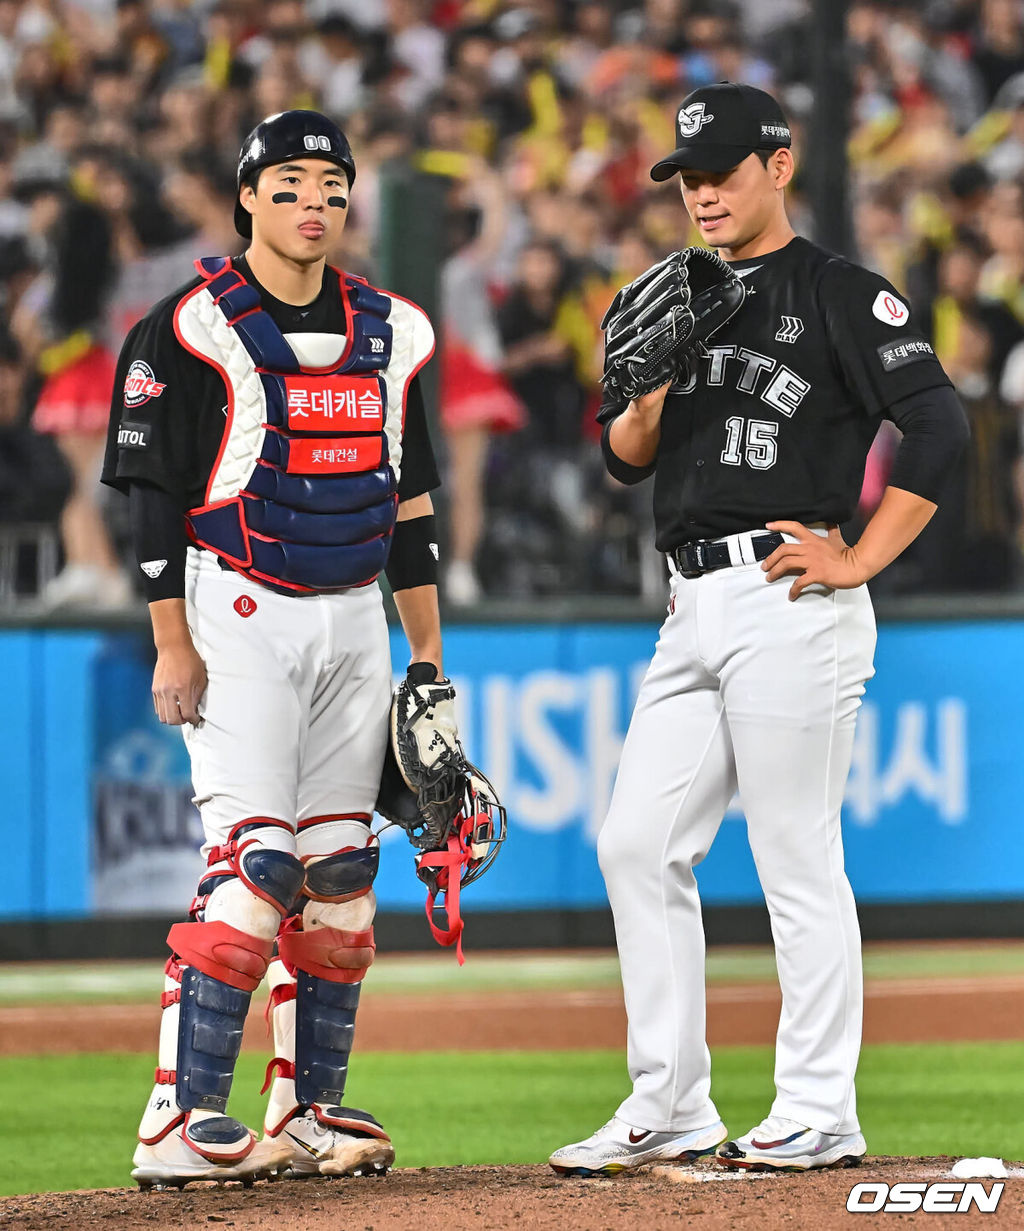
(449,864)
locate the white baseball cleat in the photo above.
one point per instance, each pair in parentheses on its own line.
(352,1144)
(189,1152)
(618,1146)
(778,1144)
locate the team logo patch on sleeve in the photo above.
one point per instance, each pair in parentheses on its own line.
(902,351)
(890,310)
(141,384)
(133,435)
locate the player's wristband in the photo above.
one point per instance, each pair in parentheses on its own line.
(413,559)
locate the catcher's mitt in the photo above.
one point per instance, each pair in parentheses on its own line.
(657,324)
(449,810)
(430,759)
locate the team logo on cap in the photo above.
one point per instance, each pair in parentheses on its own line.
(692,119)
(140,384)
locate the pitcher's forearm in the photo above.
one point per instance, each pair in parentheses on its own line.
(898,520)
(634,436)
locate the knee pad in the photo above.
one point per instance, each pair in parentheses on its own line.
(222,952)
(269,874)
(338,954)
(344,875)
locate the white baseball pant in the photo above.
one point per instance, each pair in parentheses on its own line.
(751,690)
(295,719)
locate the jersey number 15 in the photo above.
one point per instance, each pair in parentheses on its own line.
(750,440)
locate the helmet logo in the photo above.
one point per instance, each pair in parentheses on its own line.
(320,142)
(692,119)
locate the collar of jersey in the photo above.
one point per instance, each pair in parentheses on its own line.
(752,262)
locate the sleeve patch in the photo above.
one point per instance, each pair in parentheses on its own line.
(140,384)
(890,310)
(133,435)
(903,351)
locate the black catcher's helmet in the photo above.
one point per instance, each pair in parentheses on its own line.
(290,134)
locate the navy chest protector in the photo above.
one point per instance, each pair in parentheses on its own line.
(303,494)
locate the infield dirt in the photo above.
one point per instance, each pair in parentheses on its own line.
(497,1198)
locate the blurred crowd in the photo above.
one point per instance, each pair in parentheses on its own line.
(120,123)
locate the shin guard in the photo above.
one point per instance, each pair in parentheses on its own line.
(329,958)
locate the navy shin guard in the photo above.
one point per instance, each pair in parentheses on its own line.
(209,1040)
(325,1018)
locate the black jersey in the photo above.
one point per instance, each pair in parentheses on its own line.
(777,422)
(169,407)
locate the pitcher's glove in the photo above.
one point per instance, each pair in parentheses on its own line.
(657,324)
(430,758)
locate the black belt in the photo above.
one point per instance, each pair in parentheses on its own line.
(707,555)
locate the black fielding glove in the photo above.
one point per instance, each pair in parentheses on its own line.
(657,325)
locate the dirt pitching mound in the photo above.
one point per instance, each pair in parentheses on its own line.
(498,1198)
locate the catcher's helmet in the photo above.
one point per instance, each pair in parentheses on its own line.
(290,134)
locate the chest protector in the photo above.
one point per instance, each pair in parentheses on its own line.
(304,491)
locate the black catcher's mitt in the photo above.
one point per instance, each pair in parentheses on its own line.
(657,324)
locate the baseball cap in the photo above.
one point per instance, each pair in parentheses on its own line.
(720,125)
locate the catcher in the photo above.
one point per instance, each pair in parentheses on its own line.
(751,388)
(269,429)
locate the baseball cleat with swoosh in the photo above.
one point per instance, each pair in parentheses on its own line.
(777,1144)
(335,1141)
(618,1146)
(201,1148)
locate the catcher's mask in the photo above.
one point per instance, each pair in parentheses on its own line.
(477,832)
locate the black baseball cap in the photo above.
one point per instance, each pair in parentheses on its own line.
(288,135)
(720,125)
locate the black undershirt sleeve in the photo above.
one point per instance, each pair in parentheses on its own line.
(935,433)
(617,468)
(159,540)
(419,466)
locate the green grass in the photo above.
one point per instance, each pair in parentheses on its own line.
(504,1107)
(433,972)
